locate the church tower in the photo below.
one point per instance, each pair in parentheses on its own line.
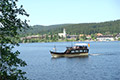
(64,33)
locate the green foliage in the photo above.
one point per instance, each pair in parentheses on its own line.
(9,26)
(84,37)
(93,36)
(118,39)
(84,28)
(47,38)
(77,39)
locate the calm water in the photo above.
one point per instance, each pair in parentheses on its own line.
(103,62)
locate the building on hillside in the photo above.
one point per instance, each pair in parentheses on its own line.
(99,34)
(105,38)
(81,35)
(33,37)
(88,36)
(72,37)
(63,34)
(117,36)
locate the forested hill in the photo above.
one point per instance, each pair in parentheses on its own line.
(83,28)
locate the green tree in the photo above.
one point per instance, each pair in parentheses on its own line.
(77,38)
(93,36)
(84,37)
(118,39)
(9,26)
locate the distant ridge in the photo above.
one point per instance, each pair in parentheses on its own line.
(81,28)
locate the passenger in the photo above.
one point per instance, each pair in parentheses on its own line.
(77,47)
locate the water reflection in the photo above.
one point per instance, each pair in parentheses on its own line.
(80,57)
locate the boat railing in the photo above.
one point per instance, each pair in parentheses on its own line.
(79,47)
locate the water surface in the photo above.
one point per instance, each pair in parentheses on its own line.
(103,62)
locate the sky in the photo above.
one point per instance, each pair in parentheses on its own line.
(51,12)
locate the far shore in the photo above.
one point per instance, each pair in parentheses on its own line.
(72,41)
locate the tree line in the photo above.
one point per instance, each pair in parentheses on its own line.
(83,28)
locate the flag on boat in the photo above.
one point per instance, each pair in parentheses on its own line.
(88,45)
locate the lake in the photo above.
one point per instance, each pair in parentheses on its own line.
(103,62)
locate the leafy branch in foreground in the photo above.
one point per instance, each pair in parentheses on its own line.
(9,26)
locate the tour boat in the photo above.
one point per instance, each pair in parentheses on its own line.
(79,50)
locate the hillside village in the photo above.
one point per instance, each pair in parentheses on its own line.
(67,37)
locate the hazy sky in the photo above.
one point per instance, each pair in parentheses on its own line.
(49,12)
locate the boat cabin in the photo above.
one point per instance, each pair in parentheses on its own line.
(78,48)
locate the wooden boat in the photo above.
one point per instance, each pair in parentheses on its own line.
(80,49)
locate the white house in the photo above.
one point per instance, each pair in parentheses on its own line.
(62,34)
(117,36)
(105,38)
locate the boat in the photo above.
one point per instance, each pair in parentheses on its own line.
(79,50)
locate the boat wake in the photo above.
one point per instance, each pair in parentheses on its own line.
(95,54)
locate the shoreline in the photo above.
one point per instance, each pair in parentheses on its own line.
(71,41)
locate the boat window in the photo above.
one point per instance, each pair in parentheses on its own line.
(72,51)
(77,51)
(81,50)
(85,50)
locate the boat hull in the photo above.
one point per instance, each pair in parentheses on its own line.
(55,55)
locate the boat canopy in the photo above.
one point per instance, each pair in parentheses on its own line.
(81,44)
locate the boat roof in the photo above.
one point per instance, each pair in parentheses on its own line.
(80,44)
